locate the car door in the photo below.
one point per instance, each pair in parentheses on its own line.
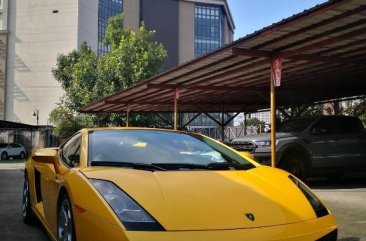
(324,143)
(68,155)
(352,141)
(15,150)
(10,150)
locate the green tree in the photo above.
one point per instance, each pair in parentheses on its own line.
(254,122)
(85,77)
(295,111)
(66,122)
(77,74)
(356,108)
(136,57)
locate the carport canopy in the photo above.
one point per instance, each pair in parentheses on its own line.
(324,58)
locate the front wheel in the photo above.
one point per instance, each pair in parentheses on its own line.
(27,212)
(4,156)
(22,155)
(65,223)
(295,166)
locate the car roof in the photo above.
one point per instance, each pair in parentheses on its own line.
(134,128)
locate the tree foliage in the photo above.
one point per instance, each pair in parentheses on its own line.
(86,77)
(66,122)
(295,111)
(137,57)
(78,75)
(356,108)
(254,122)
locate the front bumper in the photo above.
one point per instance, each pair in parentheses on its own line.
(322,229)
(90,227)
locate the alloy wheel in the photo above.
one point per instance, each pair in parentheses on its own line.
(26,203)
(65,223)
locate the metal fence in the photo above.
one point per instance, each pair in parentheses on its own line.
(30,139)
(230,132)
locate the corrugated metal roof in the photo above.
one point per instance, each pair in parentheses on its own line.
(324,52)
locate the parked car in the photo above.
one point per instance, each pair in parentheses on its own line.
(150,184)
(322,145)
(12,150)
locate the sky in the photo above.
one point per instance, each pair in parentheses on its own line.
(252,15)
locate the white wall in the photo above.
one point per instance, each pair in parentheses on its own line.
(36,37)
(186,31)
(88,23)
(3,14)
(132,14)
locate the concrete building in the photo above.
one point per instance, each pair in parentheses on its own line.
(189,29)
(34,32)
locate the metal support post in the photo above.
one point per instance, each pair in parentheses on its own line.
(273,121)
(176,97)
(222,127)
(128,115)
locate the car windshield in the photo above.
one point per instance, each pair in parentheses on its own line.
(295,125)
(160,150)
(3,145)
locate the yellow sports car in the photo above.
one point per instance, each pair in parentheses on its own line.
(119,184)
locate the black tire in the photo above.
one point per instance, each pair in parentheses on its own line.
(295,166)
(4,156)
(65,220)
(27,212)
(22,155)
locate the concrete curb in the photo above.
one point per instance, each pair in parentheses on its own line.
(11,166)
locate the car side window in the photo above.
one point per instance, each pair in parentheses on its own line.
(71,151)
(349,126)
(324,127)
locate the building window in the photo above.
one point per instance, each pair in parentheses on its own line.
(208,28)
(107,8)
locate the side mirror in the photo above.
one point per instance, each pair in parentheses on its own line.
(47,156)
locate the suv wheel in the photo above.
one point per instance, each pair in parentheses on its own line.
(295,166)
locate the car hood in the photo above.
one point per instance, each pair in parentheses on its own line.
(263,137)
(212,200)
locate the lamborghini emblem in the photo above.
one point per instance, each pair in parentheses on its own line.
(250,216)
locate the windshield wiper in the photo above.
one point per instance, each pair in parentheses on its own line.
(229,166)
(210,166)
(180,166)
(134,165)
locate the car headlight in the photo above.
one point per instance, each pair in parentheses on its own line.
(263,144)
(131,214)
(319,209)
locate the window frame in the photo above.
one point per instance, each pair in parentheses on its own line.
(65,160)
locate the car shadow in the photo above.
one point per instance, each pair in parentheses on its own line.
(350,239)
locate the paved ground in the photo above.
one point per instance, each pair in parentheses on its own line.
(346,198)
(11,224)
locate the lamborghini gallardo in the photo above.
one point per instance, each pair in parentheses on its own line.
(137,184)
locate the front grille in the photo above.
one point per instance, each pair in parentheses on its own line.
(332,236)
(246,146)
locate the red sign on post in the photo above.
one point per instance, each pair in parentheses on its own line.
(176,94)
(276,71)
